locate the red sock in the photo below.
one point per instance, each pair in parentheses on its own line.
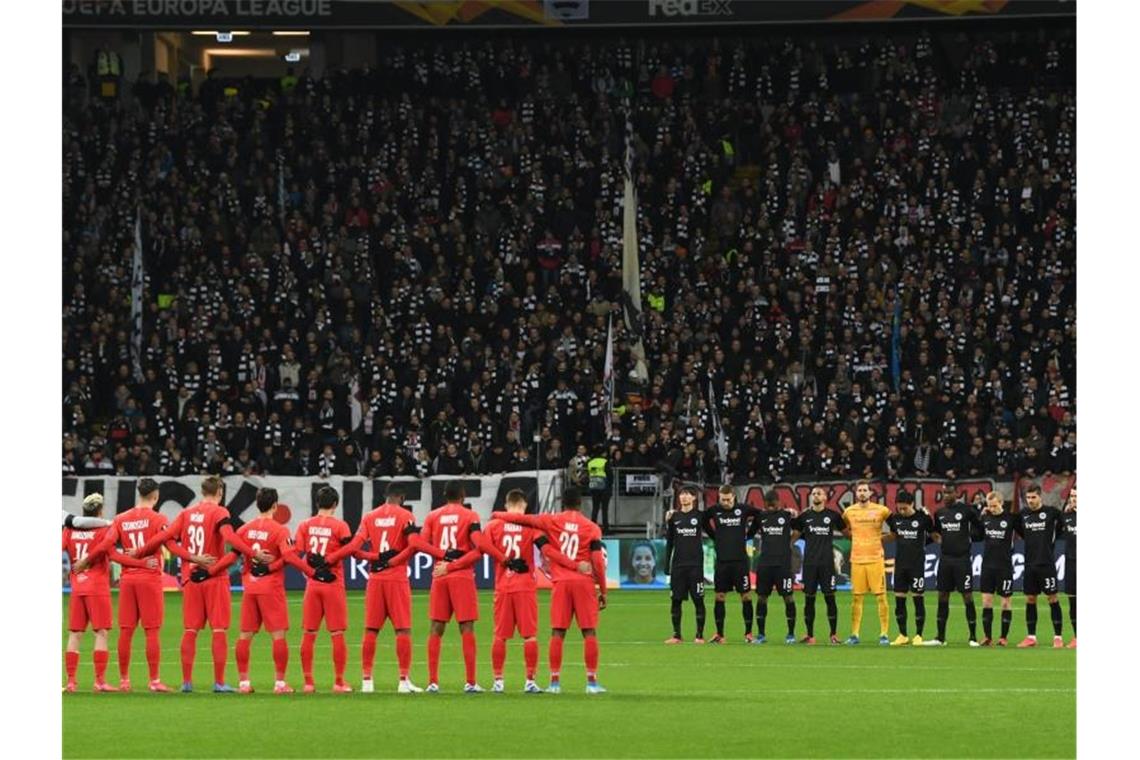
(555,657)
(307,642)
(591,647)
(530,654)
(403,653)
(189,647)
(368,652)
(241,654)
(153,652)
(498,656)
(469,651)
(125,636)
(340,656)
(100,656)
(71,659)
(433,658)
(280,658)
(220,648)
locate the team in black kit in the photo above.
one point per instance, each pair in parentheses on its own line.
(955,526)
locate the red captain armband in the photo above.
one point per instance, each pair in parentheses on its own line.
(595,545)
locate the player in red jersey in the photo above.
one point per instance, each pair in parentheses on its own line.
(140,588)
(516,593)
(451,533)
(204,529)
(391,532)
(317,538)
(263,589)
(91,593)
(573,595)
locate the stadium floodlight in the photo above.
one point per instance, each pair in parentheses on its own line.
(291,33)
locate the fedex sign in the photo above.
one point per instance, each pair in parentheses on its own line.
(690,7)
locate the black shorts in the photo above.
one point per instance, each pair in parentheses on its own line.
(820,577)
(687,582)
(1040,579)
(1070,577)
(777,578)
(732,575)
(997,580)
(955,574)
(909,579)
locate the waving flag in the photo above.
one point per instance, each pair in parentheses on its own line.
(608,378)
(630,264)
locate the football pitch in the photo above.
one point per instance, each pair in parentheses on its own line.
(664,701)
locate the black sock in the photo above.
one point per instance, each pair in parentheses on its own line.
(761,615)
(972,619)
(1006,619)
(943,613)
(988,622)
(832,612)
(809,614)
(1073,612)
(699,604)
(676,611)
(919,614)
(1058,617)
(790,614)
(718,616)
(1031,619)
(900,613)
(746,610)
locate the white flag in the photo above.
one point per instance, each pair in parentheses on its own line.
(608,378)
(630,263)
(718,433)
(137,275)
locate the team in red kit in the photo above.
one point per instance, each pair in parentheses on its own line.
(204,537)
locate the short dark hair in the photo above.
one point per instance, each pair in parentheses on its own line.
(771,498)
(571,498)
(147,486)
(514,496)
(266,498)
(904,497)
(453,491)
(725,489)
(1033,488)
(327,497)
(211,486)
(862,483)
(394,493)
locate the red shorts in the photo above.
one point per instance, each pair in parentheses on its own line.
(327,601)
(140,601)
(453,596)
(516,609)
(388,600)
(208,601)
(95,610)
(573,599)
(269,610)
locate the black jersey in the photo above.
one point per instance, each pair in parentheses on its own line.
(912,534)
(684,541)
(956,524)
(1040,529)
(817,529)
(997,532)
(775,529)
(1069,521)
(729,530)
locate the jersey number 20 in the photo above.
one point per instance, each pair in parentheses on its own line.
(569,544)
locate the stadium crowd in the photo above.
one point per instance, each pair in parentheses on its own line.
(434,288)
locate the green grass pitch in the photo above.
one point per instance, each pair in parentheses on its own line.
(663,701)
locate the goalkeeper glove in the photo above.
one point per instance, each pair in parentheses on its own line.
(324,575)
(199,574)
(518,565)
(316,560)
(259,570)
(452,555)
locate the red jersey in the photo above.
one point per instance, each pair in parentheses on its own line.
(198,530)
(132,529)
(95,580)
(450,527)
(572,533)
(515,542)
(268,535)
(324,534)
(387,528)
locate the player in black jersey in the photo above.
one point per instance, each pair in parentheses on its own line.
(774,566)
(1070,523)
(818,525)
(910,530)
(685,563)
(1039,526)
(998,526)
(728,525)
(955,524)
